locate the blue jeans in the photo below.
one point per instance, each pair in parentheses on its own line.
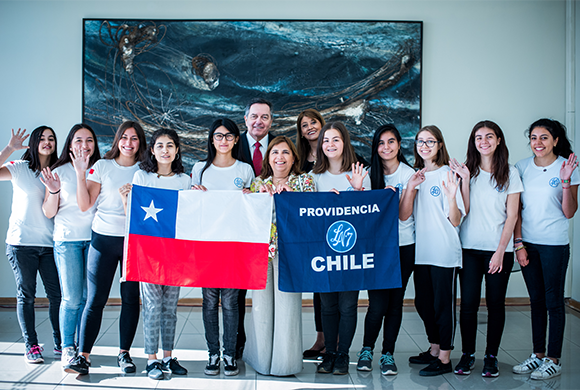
(71,262)
(211,319)
(26,262)
(545,276)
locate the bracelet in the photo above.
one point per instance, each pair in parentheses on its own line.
(566,188)
(54,193)
(519,248)
(518,239)
(564,181)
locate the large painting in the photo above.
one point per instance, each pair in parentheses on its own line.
(183,74)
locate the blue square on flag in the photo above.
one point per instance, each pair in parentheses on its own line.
(153,212)
(346,242)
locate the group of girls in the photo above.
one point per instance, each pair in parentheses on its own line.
(87,197)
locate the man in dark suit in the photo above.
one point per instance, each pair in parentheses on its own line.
(254,143)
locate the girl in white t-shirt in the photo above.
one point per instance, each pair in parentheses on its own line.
(486,232)
(549,200)
(222,170)
(161,168)
(29,236)
(438,208)
(101,187)
(72,231)
(335,160)
(389,169)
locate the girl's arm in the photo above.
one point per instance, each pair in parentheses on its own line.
(358,175)
(87,190)
(450,191)
(570,192)
(463,172)
(521,254)
(14,144)
(52,193)
(124,192)
(408,195)
(496,262)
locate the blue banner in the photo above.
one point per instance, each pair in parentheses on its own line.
(346,242)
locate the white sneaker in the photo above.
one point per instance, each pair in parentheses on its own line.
(528,365)
(547,370)
(68,354)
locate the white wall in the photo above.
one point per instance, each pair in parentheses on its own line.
(498,60)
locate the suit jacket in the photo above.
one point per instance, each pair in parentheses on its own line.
(246,150)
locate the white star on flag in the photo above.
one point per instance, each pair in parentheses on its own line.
(151,211)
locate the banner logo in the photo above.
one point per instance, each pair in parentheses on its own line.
(341,236)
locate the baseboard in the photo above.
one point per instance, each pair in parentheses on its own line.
(573,304)
(197,302)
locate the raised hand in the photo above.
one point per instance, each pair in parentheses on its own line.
(459,169)
(358,175)
(50,180)
(452,184)
(568,167)
(417,178)
(80,159)
(17,139)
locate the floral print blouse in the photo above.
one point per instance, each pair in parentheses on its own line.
(300,183)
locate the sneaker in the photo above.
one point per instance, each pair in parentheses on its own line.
(548,369)
(68,355)
(388,366)
(365,359)
(490,366)
(173,367)
(78,365)
(423,358)
(341,364)
(465,365)
(57,351)
(33,354)
(154,370)
(327,364)
(230,366)
(126,363)
(436,368)
(528,365)
(213,365)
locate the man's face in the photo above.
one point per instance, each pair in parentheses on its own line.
(258,120)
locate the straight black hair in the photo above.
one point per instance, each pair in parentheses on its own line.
(377,175)
(65,154)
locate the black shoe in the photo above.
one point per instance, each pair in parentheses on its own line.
(312,353)
(490,366)
(173,367)
(126,363)
(341,364)
(436,368)
(230,366)
(327,365)
(155,371)
(465,365)
(78,365)
(423,358)
(213,365)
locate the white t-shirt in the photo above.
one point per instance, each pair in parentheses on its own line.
(235,177)
(27,225)
(437,240)
(543,221)
(399,179)
(70,223)
(110,216)
(482,227)
(175,182)
(327,181)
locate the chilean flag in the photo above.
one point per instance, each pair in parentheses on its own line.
(215,239)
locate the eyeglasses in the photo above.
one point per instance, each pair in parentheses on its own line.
(220,136)
(430,143)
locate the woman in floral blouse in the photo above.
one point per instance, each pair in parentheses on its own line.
(274,345)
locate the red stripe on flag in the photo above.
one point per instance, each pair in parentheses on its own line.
(172,262)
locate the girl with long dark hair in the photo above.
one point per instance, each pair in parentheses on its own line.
(549,200)
(29,237)
(486,234)
(72,231)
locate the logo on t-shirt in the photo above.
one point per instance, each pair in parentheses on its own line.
(238,182)
(554,182)
(341,236)
(350,188)
(435,191)
(399,186)
(91,171)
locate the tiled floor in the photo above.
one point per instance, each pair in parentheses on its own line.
(15,373)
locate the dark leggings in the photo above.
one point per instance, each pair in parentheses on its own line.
(387,305)
(317,312)
(339,316)
(435,294)
(105,253)
(475,268)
